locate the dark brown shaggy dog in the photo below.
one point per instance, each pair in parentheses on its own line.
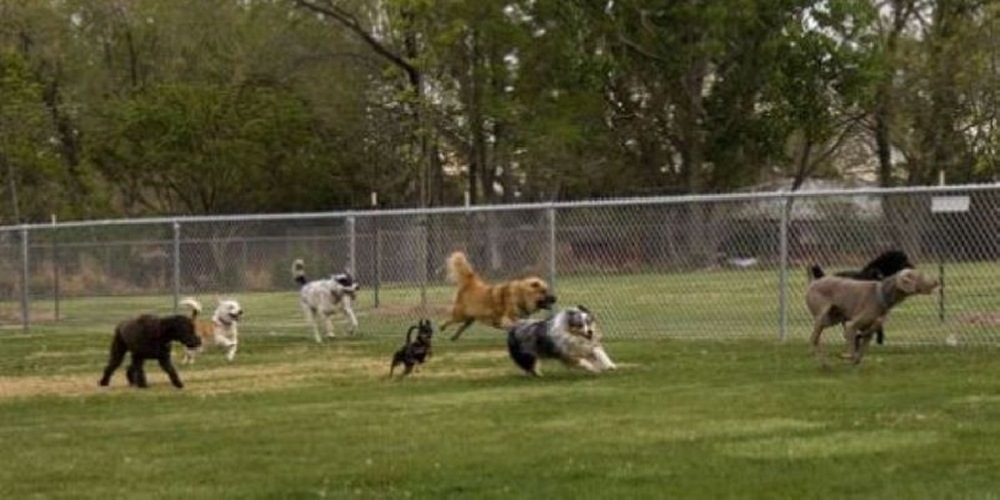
(149,337)
(861,305)
(498,305)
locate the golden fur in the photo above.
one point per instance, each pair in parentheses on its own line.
(498,305)
(205,329)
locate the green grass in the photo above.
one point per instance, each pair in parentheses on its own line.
(719,304)
(679,419)
(742,416)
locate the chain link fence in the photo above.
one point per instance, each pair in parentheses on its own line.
(717,266)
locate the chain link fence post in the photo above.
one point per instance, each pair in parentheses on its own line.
(552,246)
(56,275)
(352,245)
(25,282)
(177,263)
(783,266)
(423,221)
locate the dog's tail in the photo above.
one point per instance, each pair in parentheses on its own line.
(409,334)
(299,272)
(459,269)
(193,304)
(816,272)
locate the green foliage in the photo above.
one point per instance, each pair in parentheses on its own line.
(29,165)
(188,106)
(203,149)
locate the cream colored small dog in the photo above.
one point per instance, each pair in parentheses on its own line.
(222,329)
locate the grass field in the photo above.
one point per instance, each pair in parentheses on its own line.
(739,416)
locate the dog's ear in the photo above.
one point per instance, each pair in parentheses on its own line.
(584,309)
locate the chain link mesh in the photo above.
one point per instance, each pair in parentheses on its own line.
(720,267)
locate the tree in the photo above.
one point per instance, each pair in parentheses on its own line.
(28,162)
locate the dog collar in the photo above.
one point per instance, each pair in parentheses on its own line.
(881,295)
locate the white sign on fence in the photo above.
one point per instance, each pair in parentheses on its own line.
(949,204)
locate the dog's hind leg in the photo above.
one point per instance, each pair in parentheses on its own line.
(461,328)
(115,358)
(168,367)
(312,318)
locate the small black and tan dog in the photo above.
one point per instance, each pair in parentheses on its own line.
(149,337)
(415,351)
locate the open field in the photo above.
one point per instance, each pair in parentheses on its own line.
(681,418)
(740,415)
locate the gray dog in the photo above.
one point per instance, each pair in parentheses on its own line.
(571,336)
(861,305)
(149,337)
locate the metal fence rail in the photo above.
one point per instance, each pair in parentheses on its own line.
(716,266)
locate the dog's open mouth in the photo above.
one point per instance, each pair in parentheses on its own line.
(546,302)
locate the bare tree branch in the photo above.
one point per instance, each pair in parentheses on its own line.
(349,21)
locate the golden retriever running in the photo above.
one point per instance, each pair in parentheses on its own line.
(498,305)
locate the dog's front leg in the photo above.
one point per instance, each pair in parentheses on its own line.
(230,345)
(328,325)
(817,346)
(603,360)
(168,367)
(136,372)
(349,310)
(231,351)
(189,355)
(863,341)
(587,365)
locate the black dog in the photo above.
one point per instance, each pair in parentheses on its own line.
(149,337)
(881,267)
(414,352)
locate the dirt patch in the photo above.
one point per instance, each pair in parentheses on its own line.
(983,319)
(236,378)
